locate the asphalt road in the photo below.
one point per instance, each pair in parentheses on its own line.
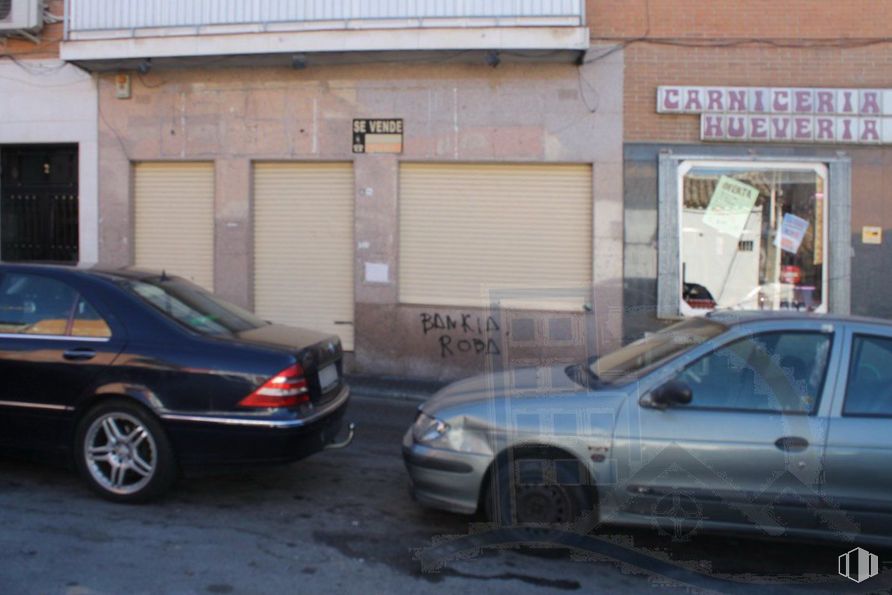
(343,521)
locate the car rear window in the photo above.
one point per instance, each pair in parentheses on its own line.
(193,307)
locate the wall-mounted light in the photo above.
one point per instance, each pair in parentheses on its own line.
(298,61)
(492,58)
(145,66)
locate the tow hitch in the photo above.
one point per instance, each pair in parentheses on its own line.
(351,430)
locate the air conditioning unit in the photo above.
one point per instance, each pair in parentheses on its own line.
(21,15)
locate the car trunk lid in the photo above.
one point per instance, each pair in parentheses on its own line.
(320,355)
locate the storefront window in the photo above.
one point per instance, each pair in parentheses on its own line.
(753,236)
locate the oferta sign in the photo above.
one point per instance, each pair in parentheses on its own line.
(783,114)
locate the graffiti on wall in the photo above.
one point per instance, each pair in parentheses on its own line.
(462,334)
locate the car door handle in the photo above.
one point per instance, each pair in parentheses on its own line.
(791,443)
(80,354)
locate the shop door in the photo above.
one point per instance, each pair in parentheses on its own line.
(303,246)
(39,203)
(469,229)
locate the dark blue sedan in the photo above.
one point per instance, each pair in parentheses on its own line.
(140,375)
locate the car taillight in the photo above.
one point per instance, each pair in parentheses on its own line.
(288,388)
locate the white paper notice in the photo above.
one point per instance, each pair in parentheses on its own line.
(730,206)
(377,272)
(792,233)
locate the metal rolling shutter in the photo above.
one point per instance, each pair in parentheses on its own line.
(303,246)
(174,219)
(467,229)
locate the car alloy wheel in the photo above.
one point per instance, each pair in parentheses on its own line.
(121,453)
(124,453)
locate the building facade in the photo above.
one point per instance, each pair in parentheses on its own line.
(48,141)
(452,187)
(442,189)
(756,151)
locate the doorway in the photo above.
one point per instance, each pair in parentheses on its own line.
(39,203)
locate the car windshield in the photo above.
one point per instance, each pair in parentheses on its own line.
(654,348)
(193,307)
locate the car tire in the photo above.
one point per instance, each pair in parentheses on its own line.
(536,490)
(122,452)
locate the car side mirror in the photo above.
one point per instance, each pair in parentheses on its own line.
(674,392)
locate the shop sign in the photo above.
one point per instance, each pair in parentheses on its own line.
(378,136)
(781,114)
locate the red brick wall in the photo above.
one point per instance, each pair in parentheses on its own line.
(812,19)
(50,36)
(826,63)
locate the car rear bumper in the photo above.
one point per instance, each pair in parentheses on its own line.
(202,440)
(444,479)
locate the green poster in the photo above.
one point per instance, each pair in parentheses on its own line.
(730,206)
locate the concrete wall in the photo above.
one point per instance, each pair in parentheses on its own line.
(453,113)
(871,205)
(48,101)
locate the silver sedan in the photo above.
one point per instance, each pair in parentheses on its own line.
(773,424)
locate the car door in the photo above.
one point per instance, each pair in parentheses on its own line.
(52,343)
(747,449)
(859,442)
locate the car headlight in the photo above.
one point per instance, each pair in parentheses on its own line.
(428,430)
(436,433)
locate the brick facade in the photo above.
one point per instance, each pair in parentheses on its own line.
(803,43)
(757,43)
(786,19)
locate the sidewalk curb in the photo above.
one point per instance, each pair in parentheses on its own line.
(400,389)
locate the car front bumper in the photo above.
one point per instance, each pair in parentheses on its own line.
(202,440)
(444,479)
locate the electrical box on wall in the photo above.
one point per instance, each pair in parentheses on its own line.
(122,86)
(871,235)
(20,15)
